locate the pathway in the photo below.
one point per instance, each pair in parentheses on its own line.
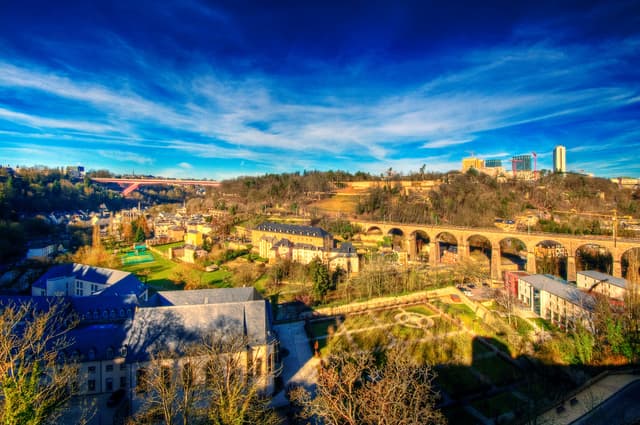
(299,367)
(587,400)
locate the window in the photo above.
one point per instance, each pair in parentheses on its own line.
(91,385)
(79,292)
(141,380)
(92,355)
(109,352)
(109,383)
(123,366)
(94,288)
(92,369)
(109,368)
(258,369)
(123,382)
(123,351)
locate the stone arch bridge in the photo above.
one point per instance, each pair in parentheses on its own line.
(430,235)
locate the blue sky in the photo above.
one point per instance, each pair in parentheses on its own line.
(218,89)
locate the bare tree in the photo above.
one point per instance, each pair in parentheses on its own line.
(37,380)
(507,301)
(171,390)
(213,381)
(354,389)
(234,383)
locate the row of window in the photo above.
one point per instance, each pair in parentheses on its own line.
(106,314)
(91,384)
(109,353)
(107,368)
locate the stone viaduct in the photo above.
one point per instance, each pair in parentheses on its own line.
(432,235)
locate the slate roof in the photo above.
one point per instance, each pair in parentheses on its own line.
(616,281)
(93,341)
(559,288)
(282,243)
(119,283)
(346,249)
(174,318)
(292,229)
(205,296)
(168,327)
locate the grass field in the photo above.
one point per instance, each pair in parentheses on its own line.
(338,203)
(165,247)
(161,270)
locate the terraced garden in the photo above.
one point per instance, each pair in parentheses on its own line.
(476,376)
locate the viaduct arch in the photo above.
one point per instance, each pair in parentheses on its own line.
(429,234)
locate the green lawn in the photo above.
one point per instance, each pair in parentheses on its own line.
(498,370)
(359,321)
(165,247)
(161,270)
(421,309)
(459,311)
(544,324)
(321,327)
(407,333)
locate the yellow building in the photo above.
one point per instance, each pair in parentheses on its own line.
(193,237)
(472,162)
(308,235)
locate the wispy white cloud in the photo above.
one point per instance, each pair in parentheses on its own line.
(445,143)
(206,113)
(185,165)
(125,156)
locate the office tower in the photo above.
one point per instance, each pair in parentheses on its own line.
(560,159)
(521,162)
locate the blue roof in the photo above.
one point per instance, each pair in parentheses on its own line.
(119,283)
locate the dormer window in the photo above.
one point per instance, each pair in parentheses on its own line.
(109,352)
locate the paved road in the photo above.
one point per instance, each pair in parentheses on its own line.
(622,408)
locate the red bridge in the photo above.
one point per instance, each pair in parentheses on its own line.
(133,184)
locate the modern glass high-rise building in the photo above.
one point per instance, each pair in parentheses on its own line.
(522,162)
(493,163)
(560,159)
